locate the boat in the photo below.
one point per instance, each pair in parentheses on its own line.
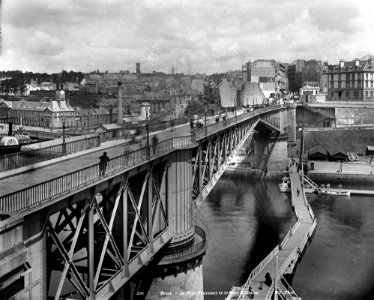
(335,192)
(12,143)
(285,187)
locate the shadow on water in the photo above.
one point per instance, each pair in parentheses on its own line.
(269,228)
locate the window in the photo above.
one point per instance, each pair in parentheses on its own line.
(371,94)
(366,94)
(13,282)
(347,93)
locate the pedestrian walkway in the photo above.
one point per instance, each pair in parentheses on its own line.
(65,165)
(284,256)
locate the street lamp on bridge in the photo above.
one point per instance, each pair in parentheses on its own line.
(63,136)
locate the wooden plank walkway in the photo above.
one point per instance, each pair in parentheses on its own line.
(287,252)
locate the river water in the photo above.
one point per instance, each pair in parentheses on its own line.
(245,220)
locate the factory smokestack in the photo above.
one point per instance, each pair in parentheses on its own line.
(119,109)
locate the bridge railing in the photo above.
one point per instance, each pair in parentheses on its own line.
(213,128)
(260,266)
(38,194)
(290,233)
(32,156)
(189,251)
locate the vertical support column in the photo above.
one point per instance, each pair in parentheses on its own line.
(200,171)
(91,250)
(125,229)
(281,122)
(210,159)
(149,213)
(218,141)
(231,133)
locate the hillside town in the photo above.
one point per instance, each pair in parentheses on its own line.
(91,99)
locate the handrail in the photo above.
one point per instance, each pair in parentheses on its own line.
(30,156)
(195,248)
(288,290)
(38,194)
(213,128)
(297,224)
(269,294)
(260,266)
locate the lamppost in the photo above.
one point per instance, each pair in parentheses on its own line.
(206,110)
(63,136)
(147,129)
(236,116)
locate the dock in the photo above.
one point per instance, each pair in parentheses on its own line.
(284,256)
(350,191)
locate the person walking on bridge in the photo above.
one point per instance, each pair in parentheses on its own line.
(103,164)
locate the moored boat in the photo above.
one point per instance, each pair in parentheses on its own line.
(285,187)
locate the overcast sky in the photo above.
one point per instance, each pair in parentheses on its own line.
(196,36)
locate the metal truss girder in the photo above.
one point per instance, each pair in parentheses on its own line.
(71,251)
(82,289)
(108,237)
(138,217)
(108,233)
(107,290)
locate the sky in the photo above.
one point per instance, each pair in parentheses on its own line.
(195,36)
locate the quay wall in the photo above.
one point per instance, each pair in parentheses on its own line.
(348,140)
(341,177)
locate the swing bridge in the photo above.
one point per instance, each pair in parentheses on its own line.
(67,232)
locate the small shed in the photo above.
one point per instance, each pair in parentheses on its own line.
(369,150)
(336,154)
(107,127)
(318,153)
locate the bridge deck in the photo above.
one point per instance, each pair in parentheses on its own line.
(36,176)
(290,249)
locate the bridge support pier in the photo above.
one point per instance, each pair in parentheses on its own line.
(179,275)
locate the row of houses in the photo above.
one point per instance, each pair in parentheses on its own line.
(51,113)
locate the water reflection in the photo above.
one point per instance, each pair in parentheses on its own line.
(340,261)
(245,221)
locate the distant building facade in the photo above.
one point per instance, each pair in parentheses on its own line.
(51,113)
(307,72)
(271,75)
(228,93)
(352,80)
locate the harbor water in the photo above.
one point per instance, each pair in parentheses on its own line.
(245,220)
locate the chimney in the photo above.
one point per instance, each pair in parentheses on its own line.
(119,112)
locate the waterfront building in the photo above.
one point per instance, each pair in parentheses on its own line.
(310,93)
(352,80)
(47,112)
